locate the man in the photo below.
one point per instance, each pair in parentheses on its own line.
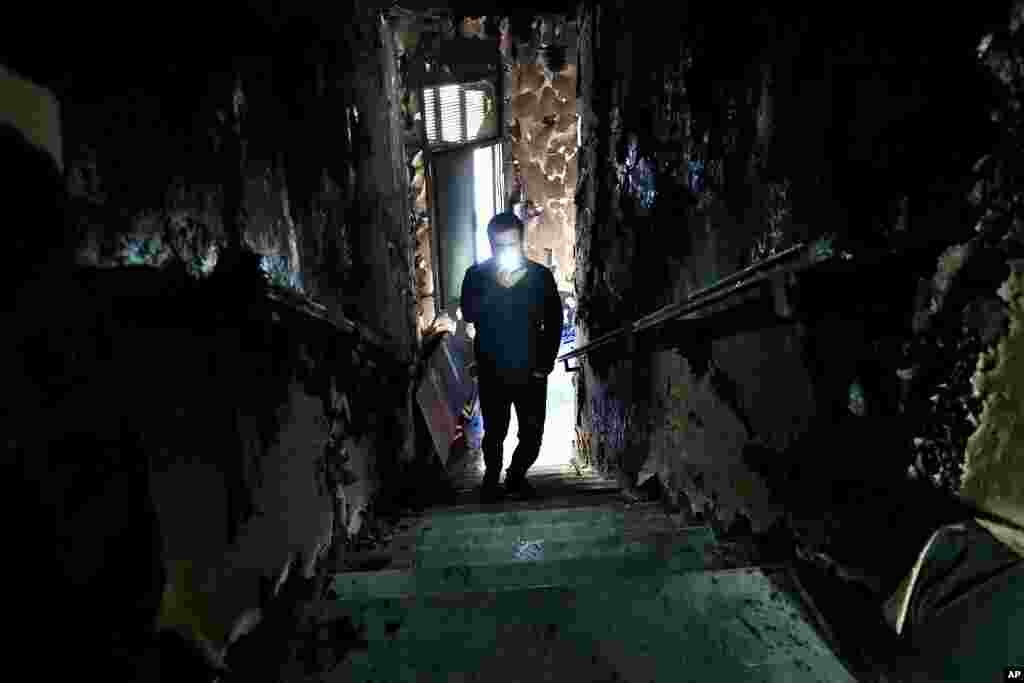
(514,305)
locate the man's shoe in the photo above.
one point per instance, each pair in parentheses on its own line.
(520,489)
(491,493)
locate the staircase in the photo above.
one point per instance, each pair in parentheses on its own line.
(580,586)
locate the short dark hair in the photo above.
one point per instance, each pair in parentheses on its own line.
(503,222)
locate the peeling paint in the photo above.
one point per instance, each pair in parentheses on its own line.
(994,468)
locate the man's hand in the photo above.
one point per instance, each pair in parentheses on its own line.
(508,278)
(442,323)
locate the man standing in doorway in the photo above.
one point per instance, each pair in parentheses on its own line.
(513,302)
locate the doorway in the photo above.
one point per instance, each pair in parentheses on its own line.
(470,190)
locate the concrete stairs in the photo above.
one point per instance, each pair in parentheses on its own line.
(550,480)
(575,587)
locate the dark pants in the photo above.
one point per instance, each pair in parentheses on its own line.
(497,396)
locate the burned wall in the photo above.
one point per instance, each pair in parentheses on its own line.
(541,118)
(992,459)
(288,131)
(745,137)
(203,421)
(429,47)
(241,416)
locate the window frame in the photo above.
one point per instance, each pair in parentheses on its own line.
(438,143)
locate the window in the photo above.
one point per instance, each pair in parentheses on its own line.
(459,113)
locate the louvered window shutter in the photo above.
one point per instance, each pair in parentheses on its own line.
(459,113)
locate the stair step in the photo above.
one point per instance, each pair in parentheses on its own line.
(422,537)
(510,513)
(566,499)
(568,571)
(385,583)
(585,530)
(551,551)
(490,524)
(549,487)
(692,626)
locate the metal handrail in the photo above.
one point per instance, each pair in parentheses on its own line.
(805,255)
(373,344)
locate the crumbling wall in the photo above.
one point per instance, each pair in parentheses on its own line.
(746,137)
(993,462)
(306,449)
(299,145)
(428,48)
(711,142)
(246,417)
(424,257)
(992,468)
(541,104)
(261,428)
(414,38)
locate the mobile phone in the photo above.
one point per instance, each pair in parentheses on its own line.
(509,260)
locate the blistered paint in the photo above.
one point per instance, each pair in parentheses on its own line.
(696,447)
(638,176)
(611,420)
(994,468)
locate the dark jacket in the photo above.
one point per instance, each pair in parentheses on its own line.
(519,329)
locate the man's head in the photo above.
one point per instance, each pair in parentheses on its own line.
(505,232)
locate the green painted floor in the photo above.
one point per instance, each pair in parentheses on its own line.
(589,593)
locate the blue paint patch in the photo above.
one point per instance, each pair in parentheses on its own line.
(695,176)
(277,268)
(640,175)
(610,420)
(141,251)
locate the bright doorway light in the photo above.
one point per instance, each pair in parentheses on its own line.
(483,194)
